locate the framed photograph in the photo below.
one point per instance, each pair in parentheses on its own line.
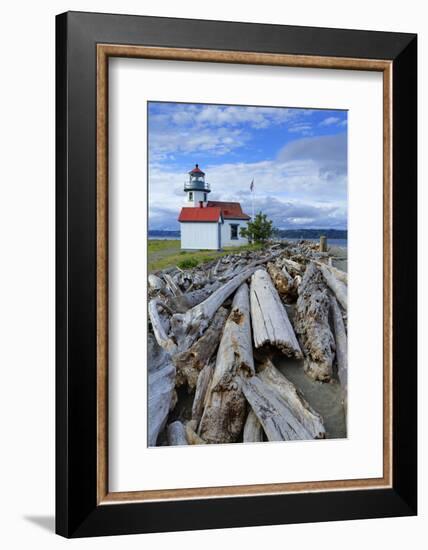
(236,274)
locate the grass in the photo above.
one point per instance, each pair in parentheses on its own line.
(167,253)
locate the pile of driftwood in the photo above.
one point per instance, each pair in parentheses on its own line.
(213,331)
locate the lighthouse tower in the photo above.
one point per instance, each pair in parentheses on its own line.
(196,188)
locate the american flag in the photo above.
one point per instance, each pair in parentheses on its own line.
(252,185)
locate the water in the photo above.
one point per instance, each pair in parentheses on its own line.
(331,242)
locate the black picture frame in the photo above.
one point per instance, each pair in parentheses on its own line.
(77,511)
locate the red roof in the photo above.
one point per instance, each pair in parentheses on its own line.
(229,210)
(195,214)
(197,170)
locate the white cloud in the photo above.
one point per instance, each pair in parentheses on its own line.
(293,193)
(329,121)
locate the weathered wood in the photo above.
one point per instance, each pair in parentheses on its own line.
(341,348)
(161,389)
(225,410)
(189,326)
(156,284)
(323,243)
(312,325)
(271,325)
(293,398)
(190,362)
(340,289)
(182,303)
(253,431)
(276,418)
(158,328)
(176,434)
(204,380)
(294,268)
(173,287)
(283,282)
(192,437)
(342,276)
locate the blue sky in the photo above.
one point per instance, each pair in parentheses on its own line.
(297,158)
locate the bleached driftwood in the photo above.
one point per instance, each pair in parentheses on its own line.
(204,380)
(176,434)
(192,437)
(276,418)
(340,289)
(161,389)
(341,348)
(294,268)
(271,325)
(158,328)
(173,287)
(253,431)
(293,398)
(283,282)
(312,325)
(225,410)
(338,273)
(156,284)
(182,303)
(189,363)
(189,326)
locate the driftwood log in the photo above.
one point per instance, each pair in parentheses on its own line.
(338,273)
(271,325)
(176,434)
(273,414)
(189,326)
(253,431)
(312,325)
(161,389)
(192,437)
(283,282)
(183,302)
(189,363)
(293,398)
(340,289)
(341,348)
(225,410)
(202,385)
(159,331)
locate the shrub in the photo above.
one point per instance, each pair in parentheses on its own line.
(188,263)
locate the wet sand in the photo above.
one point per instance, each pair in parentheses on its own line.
(324,398)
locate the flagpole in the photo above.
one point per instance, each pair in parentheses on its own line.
(252,198)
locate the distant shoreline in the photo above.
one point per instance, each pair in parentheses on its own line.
(293,234)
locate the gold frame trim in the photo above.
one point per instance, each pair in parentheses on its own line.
(104,51)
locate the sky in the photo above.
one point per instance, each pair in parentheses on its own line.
(296,157)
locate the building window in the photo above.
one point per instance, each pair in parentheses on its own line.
(234,231)
(205,197)
(190,196)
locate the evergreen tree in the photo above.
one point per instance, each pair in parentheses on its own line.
(259,230)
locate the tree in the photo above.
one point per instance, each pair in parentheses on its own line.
(259,230)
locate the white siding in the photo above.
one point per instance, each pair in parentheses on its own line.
(226,233)
(193,198)
(199,235)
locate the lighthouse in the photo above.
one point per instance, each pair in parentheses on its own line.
(196,188)
(208,225)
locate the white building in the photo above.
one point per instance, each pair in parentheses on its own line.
(209,225)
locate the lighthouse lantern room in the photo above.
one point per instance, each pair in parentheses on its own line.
(196,188)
